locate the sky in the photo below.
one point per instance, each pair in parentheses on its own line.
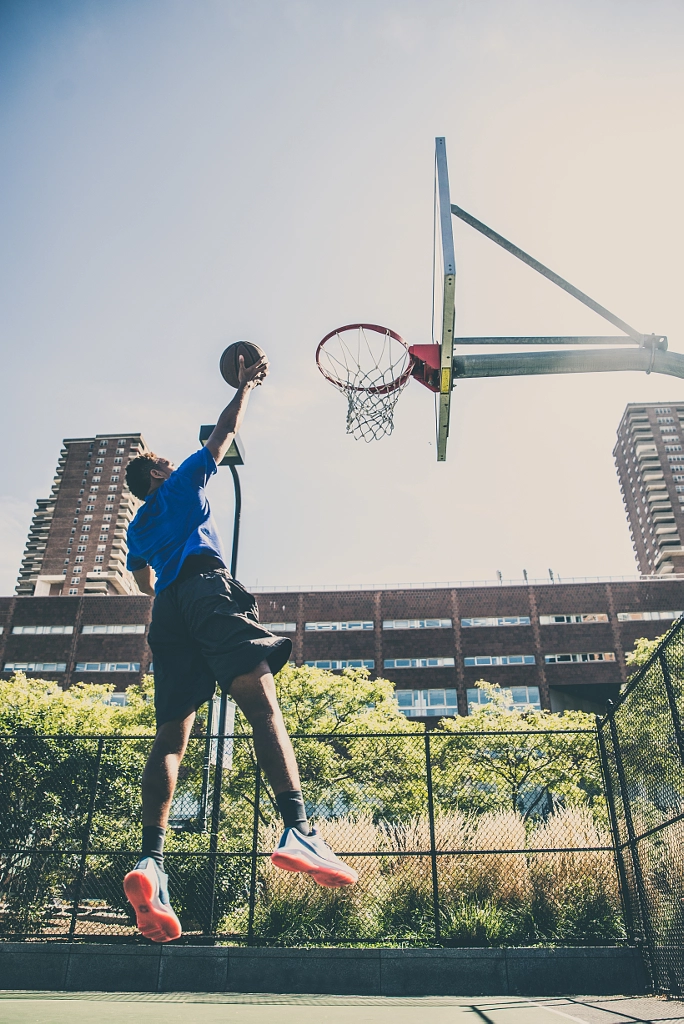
(178,175)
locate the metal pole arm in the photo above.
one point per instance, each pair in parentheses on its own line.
(526,363)
(545,272)
(565,339)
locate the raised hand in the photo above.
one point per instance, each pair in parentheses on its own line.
(254,374)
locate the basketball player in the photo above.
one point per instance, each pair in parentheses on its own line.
(205,629)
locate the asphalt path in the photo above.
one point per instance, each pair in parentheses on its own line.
(232,1008)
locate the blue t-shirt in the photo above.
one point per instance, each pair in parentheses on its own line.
(175,522)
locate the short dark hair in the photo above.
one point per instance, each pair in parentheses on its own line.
(138,474)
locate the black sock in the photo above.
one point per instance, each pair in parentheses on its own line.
(291,806)
(153,843)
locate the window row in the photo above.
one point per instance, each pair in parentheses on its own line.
(116,629)
(522,698)
(332,666)
(108,666)
(502,659)
(467,623)
(35,666)
(558,659)
(437,703)
(418,663)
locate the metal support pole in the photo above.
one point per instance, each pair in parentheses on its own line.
(255,853)
(236,519)
(580,361)
(216,817)
(632,843)
(206,770)
(86,841)
(617,841)
(433,841)
(672,700)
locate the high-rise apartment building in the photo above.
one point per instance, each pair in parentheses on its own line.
(77,541)
(649,456)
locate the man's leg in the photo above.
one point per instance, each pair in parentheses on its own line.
(146,885)
(255,695)
(161,771)
(299,849)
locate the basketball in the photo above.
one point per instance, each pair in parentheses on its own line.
(230,360)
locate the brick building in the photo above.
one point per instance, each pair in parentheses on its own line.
(649,456)
(557,646)
(77,540)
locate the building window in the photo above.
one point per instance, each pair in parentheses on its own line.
(117,460)
(418,663)
(114,479)
(280,627)
(427,703)
(73,591)
(552,620)
(78,558)
(99,558)
(647,616)
(506,620)
(41,630)
(417,624)
(108,666)
(115,629)
(75,580)
(333,666)
(35,666)
(522,698)
(99,460)
(337,627)
(566,659)
(499,659)
(673,447)
(105,527)
(112,487)
(78,567)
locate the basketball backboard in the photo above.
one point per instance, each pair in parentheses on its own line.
(444,288)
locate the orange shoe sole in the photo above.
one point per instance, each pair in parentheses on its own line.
(331,878)
(155,922)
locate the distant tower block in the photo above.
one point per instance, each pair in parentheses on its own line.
(77,541)
(649,456)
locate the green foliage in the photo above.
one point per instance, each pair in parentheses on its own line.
(367,792)
(527,773)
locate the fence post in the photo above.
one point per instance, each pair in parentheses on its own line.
(632,843)
(625,895)
(672,700)
(206,769)
(433,846)
(216,813)
(86,841)
(255,844)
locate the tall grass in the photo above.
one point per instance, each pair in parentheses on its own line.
(490,893)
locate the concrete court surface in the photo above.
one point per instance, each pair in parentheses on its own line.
(211,1008)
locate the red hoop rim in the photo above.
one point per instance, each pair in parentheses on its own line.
(385,389)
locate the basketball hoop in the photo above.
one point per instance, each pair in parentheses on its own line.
(371,366)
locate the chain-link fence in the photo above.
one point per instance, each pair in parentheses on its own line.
(460,838)
(642,746)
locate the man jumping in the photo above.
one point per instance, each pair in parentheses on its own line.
(205,629)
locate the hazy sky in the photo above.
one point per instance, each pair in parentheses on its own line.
(177,175)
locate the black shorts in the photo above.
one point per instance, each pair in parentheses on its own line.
(205,630)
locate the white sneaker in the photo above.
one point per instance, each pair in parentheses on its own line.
(312,855)
(147,890)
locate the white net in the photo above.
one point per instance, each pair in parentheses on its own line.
(371,366)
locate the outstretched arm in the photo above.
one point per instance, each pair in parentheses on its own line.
(229,421)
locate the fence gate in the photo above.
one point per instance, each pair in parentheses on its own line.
(641,740)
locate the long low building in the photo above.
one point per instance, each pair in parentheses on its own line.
(557,645)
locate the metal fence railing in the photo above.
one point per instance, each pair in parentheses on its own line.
(642,748)
(459,838)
